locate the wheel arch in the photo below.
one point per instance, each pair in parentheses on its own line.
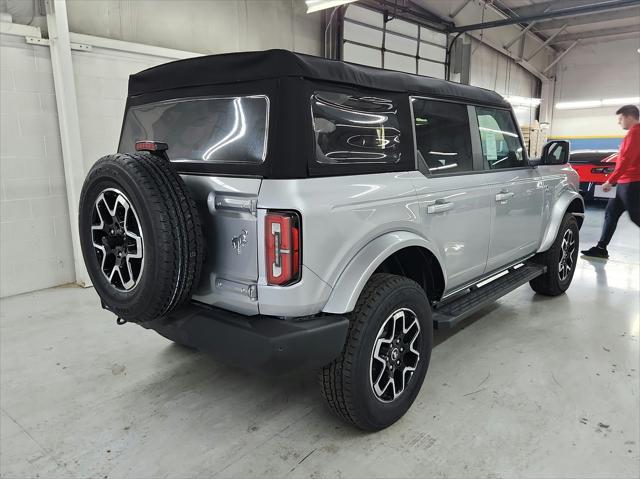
(569,202)
(402,253)
(576,207)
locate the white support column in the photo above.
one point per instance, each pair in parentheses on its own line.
(66,102)
(546,104)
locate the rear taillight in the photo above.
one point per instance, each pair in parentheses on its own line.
(282,241)
(605,170)
(151,146)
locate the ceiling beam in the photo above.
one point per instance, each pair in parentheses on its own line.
(605,32)
(627,12)
(550,5)
(504,11)
(457,11)
(555,14)
(499,48)
(547,42)
(522,33)
(561,56)
(408,11)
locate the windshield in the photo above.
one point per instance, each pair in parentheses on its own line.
(219,130)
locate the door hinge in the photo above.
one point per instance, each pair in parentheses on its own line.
(225,202)
(250,290)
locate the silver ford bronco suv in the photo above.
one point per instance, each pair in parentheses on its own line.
(284,212)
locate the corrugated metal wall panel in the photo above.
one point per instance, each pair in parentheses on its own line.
(495,71)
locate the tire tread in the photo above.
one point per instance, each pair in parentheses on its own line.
(548,284)
(179,244)
(337,378)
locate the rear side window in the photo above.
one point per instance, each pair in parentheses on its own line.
(501,146)
(443,138)
(217,130)
(353,129)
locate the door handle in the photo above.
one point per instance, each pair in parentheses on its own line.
(439,206)
(504,195)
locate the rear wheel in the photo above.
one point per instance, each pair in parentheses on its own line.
(386,356)
(140,236)
(560,260)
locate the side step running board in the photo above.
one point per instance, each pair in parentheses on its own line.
(450,314)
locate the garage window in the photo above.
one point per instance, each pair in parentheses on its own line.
(443,139)
(355,129)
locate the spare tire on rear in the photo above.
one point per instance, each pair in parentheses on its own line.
(140,235)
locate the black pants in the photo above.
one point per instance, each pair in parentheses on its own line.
(627,199)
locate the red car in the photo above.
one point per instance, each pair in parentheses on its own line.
(594,167)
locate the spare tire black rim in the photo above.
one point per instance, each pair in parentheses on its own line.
(117,238)
(395,356)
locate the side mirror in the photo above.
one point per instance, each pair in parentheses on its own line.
(555,152)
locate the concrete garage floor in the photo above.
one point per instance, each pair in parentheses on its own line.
(533,387)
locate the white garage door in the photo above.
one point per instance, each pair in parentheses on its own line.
(394,45)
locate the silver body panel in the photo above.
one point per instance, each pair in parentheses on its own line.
(461,233)
(341,215)
(351,224)
(516,221)
(561,188)
(227,208)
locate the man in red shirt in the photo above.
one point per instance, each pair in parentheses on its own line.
(626,178)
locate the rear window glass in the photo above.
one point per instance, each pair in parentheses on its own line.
(353,129)
(218,130)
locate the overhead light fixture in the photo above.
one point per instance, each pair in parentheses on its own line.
(316,5)
(523,101)
(621,101)
(576,105)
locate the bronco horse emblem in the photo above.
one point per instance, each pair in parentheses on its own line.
(238,242)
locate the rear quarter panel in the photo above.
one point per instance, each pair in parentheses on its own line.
(340,216)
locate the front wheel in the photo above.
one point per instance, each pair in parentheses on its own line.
(385,359)
(560,260)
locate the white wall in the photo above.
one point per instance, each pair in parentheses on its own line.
(495,71)
(34,223)
(472,12)
(594,71)
(101,87)
(202,26)
(35,244)
(36,241)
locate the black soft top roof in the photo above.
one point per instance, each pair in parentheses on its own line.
(270,64)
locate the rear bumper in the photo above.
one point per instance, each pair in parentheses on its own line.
(258,343)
